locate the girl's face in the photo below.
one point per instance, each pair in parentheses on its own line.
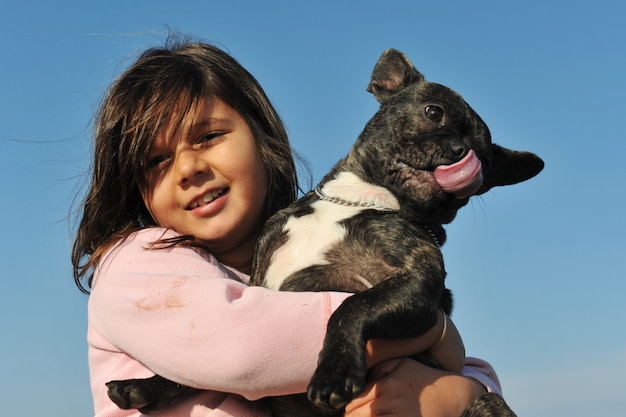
(206,179)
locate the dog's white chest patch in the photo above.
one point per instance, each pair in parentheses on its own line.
(312,235)
(309,237)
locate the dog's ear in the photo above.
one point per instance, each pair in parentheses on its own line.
(509,167)
(392,73)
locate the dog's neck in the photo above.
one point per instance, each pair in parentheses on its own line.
(348,189)
(358,193)
(343,202)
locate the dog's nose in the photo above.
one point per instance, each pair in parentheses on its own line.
(458,150)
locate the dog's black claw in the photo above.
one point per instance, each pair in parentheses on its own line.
(332,391)
(327,398)
(118,396)
(148,395)
(127,396)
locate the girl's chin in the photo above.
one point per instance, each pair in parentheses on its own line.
(210,233)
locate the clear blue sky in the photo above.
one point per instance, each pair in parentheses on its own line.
(538,269)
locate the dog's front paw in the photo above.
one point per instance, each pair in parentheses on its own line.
(146,395)
(336,382)
(126,396)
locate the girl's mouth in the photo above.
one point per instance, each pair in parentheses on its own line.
(207,198)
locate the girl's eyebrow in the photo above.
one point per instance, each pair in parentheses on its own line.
(213,121)
(202,126)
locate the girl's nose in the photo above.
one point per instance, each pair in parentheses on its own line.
(190,166)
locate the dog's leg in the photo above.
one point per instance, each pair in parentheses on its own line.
(341,372)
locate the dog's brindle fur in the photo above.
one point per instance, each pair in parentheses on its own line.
(385,247)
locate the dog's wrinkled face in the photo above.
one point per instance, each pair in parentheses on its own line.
(428,146)
(425,127)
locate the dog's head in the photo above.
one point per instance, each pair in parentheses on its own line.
(429,147)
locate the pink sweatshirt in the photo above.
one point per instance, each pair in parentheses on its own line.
(173,312)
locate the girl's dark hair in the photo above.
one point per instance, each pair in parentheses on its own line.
(146,96)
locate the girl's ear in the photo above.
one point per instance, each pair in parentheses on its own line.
(393,72)
(509,167)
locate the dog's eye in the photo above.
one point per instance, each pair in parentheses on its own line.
(434,113)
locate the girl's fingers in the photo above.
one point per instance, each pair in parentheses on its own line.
(362,406)
(381,370)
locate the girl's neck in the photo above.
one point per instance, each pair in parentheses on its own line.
(244,267)
(239,258)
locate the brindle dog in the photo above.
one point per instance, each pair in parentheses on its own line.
(373,226)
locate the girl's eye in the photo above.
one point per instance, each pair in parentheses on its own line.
(434,113)
(210,137)
(157,161)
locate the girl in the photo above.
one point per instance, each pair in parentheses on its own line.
(190,160)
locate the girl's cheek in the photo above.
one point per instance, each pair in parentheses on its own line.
(154,203)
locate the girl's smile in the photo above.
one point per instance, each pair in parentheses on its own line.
(209,204)
(206,179)
(207,198)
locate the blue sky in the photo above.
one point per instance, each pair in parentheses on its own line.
(537,269)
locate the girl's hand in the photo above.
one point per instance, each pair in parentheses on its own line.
(404,387)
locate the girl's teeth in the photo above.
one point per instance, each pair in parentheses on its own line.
(207,198)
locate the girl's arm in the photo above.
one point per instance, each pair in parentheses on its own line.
(443,342)
(404,387)
(183,316)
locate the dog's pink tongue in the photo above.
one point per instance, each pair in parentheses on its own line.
(462,178)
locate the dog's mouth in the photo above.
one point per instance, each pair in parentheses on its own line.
(463,178)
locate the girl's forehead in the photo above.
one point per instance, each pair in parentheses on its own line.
(182,116)
(190,119)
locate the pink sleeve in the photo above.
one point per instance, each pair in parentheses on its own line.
(483,373)
(187,318)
